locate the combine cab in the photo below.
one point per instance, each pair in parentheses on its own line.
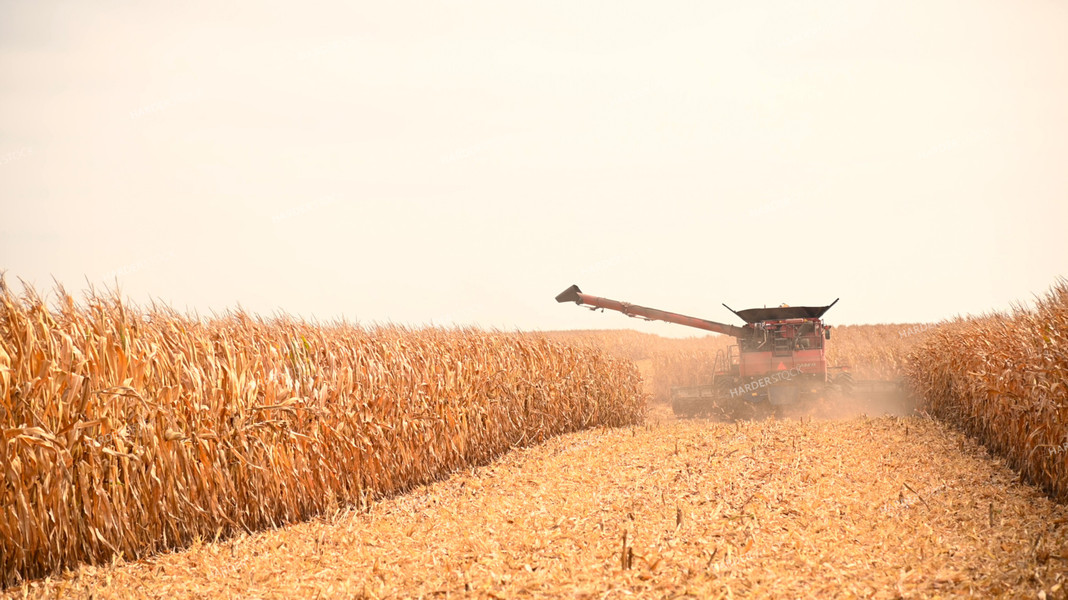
(779,359)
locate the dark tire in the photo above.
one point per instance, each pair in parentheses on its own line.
(844,383)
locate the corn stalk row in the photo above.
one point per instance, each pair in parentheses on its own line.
(129,431)
(1002,378)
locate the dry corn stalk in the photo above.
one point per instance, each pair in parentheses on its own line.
(130,431)
(1002,378)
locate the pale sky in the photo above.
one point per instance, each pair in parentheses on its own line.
(463,162)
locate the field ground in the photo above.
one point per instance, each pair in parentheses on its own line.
(870,507)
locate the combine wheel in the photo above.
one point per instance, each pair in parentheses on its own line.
(684,407)
(844,383)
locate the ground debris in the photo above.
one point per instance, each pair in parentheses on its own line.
(867,507)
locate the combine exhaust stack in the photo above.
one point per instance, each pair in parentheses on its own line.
(779,359)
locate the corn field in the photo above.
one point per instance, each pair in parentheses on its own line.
(623,343)
(875,351)
(129,431)
(1003,378)
(669,362)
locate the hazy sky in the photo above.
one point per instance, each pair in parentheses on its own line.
(463,162)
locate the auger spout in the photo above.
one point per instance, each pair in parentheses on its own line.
(574,294)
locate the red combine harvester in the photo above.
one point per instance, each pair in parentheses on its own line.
(779,359)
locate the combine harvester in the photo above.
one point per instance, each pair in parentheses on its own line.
(779,361)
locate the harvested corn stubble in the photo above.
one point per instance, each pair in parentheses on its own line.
(779,509)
